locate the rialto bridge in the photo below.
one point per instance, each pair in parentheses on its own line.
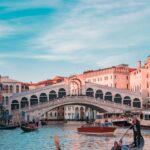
(102,98)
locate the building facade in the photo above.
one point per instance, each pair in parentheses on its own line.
(121,77)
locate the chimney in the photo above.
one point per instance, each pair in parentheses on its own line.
(139,64)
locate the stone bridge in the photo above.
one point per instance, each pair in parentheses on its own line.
(97,103)
(101,97)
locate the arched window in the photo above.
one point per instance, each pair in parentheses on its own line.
(127,101)
(61,93)
(7,100)
(136,103)
(118,99)
(33,100)
(14,105)
(11,89)
(17,88)
(6,88)
(52,95)
(43,98)
(108,96)
(90,92)
(99,94)
(24,102)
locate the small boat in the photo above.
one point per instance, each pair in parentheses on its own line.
(131,146)
(29,127)
(8,127)
(102,129)
(43,123)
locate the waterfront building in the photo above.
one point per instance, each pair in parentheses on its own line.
(9,87)
(131,82)
(140,81)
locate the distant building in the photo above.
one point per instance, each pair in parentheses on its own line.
(119,77)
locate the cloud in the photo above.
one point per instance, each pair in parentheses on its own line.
(82,33)
(6,29)
(18,5)
(91,27)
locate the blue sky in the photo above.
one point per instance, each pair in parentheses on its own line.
(40,39)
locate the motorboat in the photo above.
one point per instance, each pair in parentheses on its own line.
(98,129)
(121,122)
(145,120)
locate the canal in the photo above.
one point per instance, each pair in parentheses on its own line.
(43,139)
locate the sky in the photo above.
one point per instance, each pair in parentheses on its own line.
(41,39)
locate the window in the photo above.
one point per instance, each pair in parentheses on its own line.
(127,77)
(147,85)
(106,78)
(147,75)
(127,86)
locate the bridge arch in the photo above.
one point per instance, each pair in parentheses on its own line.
(14,105)
(43,98)
(90,92)
(52,95)
(136,103)
(61,92)
(127,101)
(108,96)
(24,102)
(33,100)
(118,99)
(99,94)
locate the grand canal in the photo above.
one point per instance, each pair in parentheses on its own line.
(43,139)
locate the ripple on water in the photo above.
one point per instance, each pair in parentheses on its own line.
(69,139)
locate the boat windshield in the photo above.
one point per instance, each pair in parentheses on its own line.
(107,124)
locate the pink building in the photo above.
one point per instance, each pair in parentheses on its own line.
(140,80)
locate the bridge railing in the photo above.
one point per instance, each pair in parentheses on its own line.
(68,99)
(128,92)
(37,90)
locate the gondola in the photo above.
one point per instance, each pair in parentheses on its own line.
(29,128)
(131,146)
(43,123)
(8,127)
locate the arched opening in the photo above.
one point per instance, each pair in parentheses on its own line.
(33,100)
(90,92)
(17,88)
(24,102)
(76,113)
(118,99)
(7,100)
(61,93)
(82,113)
(43,98)
(14,105)
(108,96)
(136,103)
(11,89)
(99,94)
(127,101)
(6,88)
(52,95)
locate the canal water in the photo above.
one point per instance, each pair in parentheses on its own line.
(43,139)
